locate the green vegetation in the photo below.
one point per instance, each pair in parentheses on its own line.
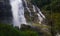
(48,5)
(44,29)
(56,21)
(7,30)
(51,9)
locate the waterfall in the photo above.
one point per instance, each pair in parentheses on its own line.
(34,8)
(57,34)
(41,17)
(18,12)
(40,13)
(27,7)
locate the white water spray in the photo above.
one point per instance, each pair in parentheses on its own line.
(18,12)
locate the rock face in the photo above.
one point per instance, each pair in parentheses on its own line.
(30,15)
(5,11)
(32,12)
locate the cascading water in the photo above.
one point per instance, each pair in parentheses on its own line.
(18,12)
(40,13)
(41,17)
(27,6)
(34,8)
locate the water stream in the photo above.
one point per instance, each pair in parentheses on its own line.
(18,12)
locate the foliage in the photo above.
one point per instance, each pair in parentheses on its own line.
(7,30)
(41,3)
(56,21)
(49,5)
(51,10)
(44,29)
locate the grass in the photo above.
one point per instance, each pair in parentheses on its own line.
(44,29)
(8,30)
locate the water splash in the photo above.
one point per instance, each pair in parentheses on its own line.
(18,12)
